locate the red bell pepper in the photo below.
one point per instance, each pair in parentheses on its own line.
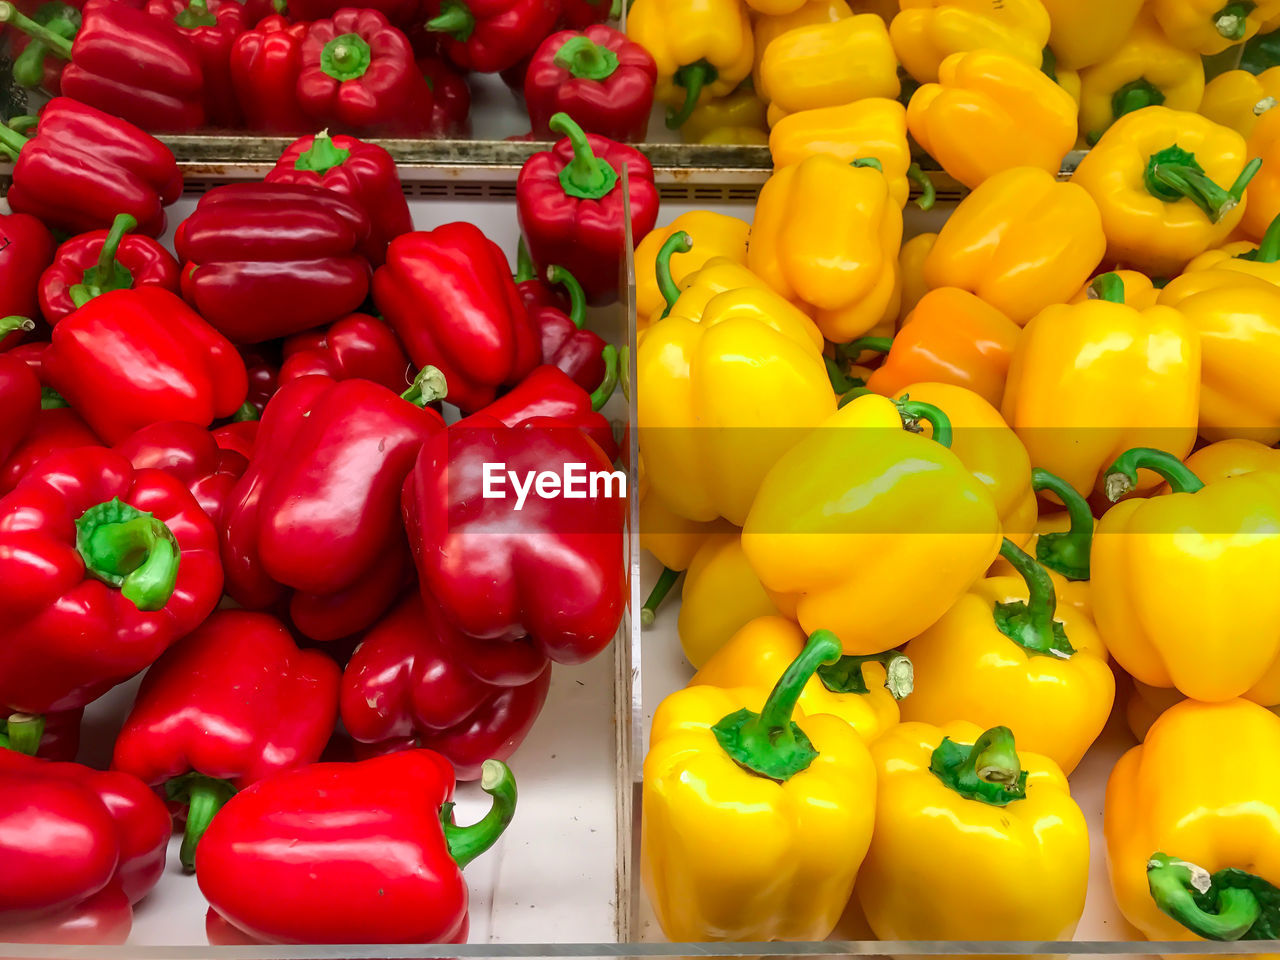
(569,203)
(102,260)
(404,688)
(262,365)
(327,617)
(598,77)
(20,400)
(26,248)
(349,877)
(133,357)
(360,172)
(488,36)
(127,63)
(535,291)
(580,14)
(356,347)
(56,427)
(238,437)
(139,821)
(501,567)
(264,260)
(192,455)
(265,64)
(211,28)
(231,704)
(450,99)
(449,295)
(549,392)
(402,13)
(34,64)
(582,354)
(83,167)
(358,75)
(54,736)
(101,569)
(104,918)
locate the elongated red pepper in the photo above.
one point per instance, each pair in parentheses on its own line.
(602,80)
(569,202)
(133,357)
(565,344)
(93,263)
(127,63)
(101,569)
(363,173)
(489,36)
(84,167)
(550,393)
(229,705)
(53,736)
(211,28)
(34,64)
(350,877)
(265,64)
(450,99)
(20,400)
(26,248)
(356,347)
(449,295)
(56,427)
(191,454)
(104,918)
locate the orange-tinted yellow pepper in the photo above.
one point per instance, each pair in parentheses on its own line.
(736,118)
(990,111)
(827,65)
(862,691)
(755,817)
(1021,241)
(825,236)
(1085,32)
(769,28)
(1264,191)
(926,32)
(1237,98)
(1090,380)
(1181,584)
(721,595)
(711,235)
(1169,185)
(974,839)
(1210,26)
(1200,795)
(1139,291)
(911,270)
(905,506)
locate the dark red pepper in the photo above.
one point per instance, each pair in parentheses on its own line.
(402,13)
(191,454)
(549,392)
(262,365)
(83,167)
(211,28)
(101,260)
(569,203)
(26,248)
(360,172)
(602,80)
(581,14)
(582,354)
(34,64)
(265,64)
(104,918)
(356,347)
(450,99)
(264,260)
(535,292)
(489,36)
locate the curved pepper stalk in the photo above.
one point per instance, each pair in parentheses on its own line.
(1174,174)
(678,242)
(666,580)
(845,675)
(1269,249)
(60,45)
(108,273)
(1230,905)
(1031,624)
(1065,552)
(989,771)
(455,19)
(130,550)
(585,59)
(22,733)
(203,797)
(601,394)
(1122,476)
(693,77)
(587,176)
(467,843)
(913,411)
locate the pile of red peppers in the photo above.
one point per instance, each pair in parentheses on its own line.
(251,469)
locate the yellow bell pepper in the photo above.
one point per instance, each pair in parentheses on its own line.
(1158,178)
(769,28)
(926,32)
(1181,583)
(856,516)
(1067,79)
(974,839)
(1237,98)
(827,65)
(1007,654)
(737,118)
(721,595)
(672,539)
(1231,458)
(1145,704)
(750,367)
(703,49)
(1260,260)
(1145,70)
(711,235)
(862,691)
(1264,190)
(1090,380)
(1210,26)
(754,824)
(826,236)
(874,127)
(1021,241)
(1235,316)
(990,112)
(1191,820)
(886,10)
(1085,32)
(911,269)
(1139,290)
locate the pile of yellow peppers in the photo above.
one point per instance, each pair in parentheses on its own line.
(938,504)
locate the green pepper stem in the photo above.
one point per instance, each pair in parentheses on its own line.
(24,123)
(845,675)
(1108,287)
(204,797)
(109,273)
(120,226)
(585,59)
(467,843)
(1269,249)
(322,156)
(51,399)
(586,176)
(872,162)
(1172,881)
(1122,476)
(131,550)
(37,31)
(525,270)
(1232,21)
(693,77)
(24,733)
(601,394)
(28,66)
(455,19)
(841,382)
(9,325)
(346,57)
(1139,94)
(1031,625)
(246,413)
(666,580)
(913,411)
(1066,552)
(577,298)
(1174,174)
(854,348)
(678,242)
(989,771)
(11,140)
(428,386)
(195,14)
(928,192)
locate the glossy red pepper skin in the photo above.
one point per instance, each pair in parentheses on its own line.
(356,347)
(488,36)
(265,260)
(450,99)
(581,14)
(402,13)
(610,99)
(26,249)
(380,91)
(141,821)
(65,637)
(60,736)
(403,688)
(20,399)
(147,263)
(211,33)
(565,344)
(265,64)
(585,236)
(191,454)
(237,437)
(449,295)
(550,393)
(552,571)
(106,918)
(133,357)
(360,172)
(262,365)
(53,429)
(328,617)
(534,290)
(137,68)
(298,859)
(84,166)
